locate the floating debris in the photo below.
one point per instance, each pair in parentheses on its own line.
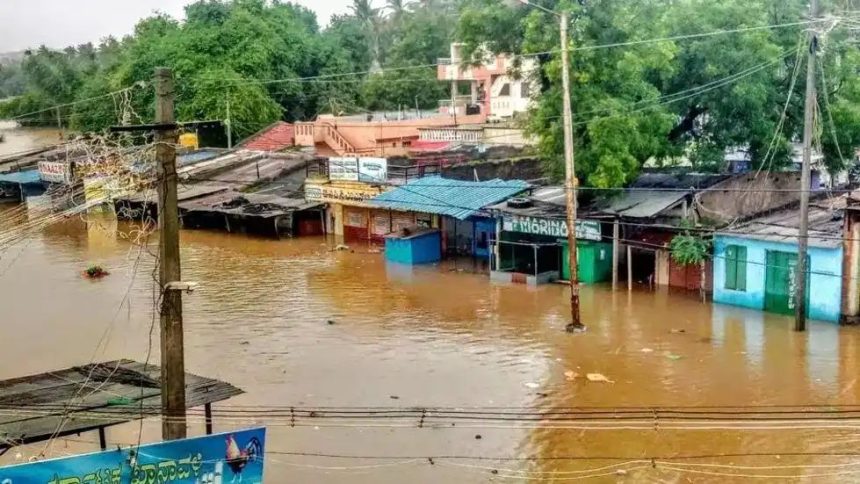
(678,331)
(571,375)
(95,272)
(647,350)
(598,377)
(531,385)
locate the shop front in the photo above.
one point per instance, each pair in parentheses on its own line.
(533,250)
(348,215)
(470,237)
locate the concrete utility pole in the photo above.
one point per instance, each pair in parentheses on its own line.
(229,124)
(808,124)
(575,324)
(172,346)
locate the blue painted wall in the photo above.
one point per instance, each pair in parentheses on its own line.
(423,249)
(825,280)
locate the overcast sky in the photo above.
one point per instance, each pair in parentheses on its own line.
(58,23)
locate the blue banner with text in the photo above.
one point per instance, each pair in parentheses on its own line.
(213,459)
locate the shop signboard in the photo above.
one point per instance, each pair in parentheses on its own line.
(343,169)
(372,170)
(367,170)
(585,229)
(216,459)
(348,194)
(54,171)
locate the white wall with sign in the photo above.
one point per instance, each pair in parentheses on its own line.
(54,171)
(585,229)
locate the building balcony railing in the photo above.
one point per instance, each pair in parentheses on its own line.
(401,175)
(459,135)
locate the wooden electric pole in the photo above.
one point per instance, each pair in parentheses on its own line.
(229,124)
(802,268)
(172,346)
(575,324)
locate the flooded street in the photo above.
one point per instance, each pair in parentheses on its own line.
(294,323)
(18,140)
(429,337)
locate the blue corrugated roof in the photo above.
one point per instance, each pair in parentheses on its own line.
(22,177)
(442,196)
(197,157)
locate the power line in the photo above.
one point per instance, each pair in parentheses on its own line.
(81,101)
(536,54)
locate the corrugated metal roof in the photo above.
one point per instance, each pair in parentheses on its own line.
(825,225)
(662,179)
(197,157)
(442,196)
(547,202)
(22,177)
(248,204)
(644,203)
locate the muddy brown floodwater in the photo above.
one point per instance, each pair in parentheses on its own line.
(432,337)
(429,336)
(23,139)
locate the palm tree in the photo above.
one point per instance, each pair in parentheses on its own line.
(397,8)
(369,17)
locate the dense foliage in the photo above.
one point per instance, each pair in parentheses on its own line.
(689,97)
(637,100)
(269,59)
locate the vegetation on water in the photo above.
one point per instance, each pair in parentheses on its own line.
(96,272)
(688,248)
(685,97)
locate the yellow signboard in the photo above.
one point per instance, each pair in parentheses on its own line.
(354,194)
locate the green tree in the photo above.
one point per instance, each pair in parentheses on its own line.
(370,19)
(689,96)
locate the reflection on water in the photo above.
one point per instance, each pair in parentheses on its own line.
(427,336)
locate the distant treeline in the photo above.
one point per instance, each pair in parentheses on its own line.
(269,58)
(662,81)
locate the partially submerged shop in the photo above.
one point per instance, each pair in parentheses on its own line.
(348,214)
(455,208)
(531,244)
(17,186)
(254,213)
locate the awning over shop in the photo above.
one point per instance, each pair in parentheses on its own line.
(104,394)
(442,196)
(21,177)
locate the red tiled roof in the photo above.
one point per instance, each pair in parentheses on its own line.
(275,138)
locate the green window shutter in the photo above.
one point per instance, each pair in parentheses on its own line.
(741,268)
(731,267)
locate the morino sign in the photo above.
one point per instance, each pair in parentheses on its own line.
(585,229)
